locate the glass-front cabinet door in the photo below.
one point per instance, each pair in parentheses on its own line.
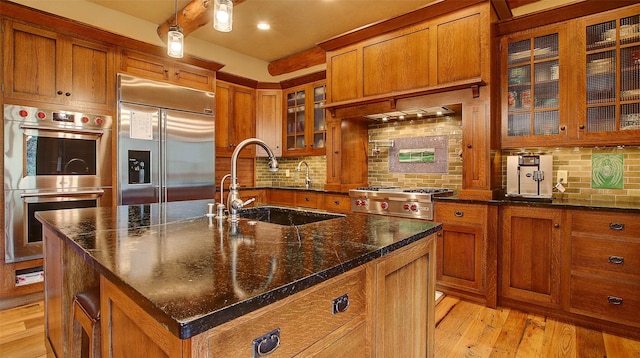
(305,129)
(612,72)
(533,89)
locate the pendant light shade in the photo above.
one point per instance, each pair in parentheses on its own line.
(223,15)
(175,42)
(175,38)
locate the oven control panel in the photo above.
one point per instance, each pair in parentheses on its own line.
(51,117)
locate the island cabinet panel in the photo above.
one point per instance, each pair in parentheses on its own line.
(160,69)
(605,266)
(463,251)
(128,331)
(396,64)
(44,66)
(401,306)
(302,320)
(531,244)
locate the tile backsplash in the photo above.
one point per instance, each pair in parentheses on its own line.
(577,162)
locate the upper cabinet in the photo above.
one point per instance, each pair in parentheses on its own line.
(44,66)
(163,69)
(572,84)
(610,70)
(536,102)
(305,124)
(269,120)
(235,118)
(447,52)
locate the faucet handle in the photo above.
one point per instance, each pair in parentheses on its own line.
(249,201)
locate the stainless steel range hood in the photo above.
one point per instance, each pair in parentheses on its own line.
(414,113)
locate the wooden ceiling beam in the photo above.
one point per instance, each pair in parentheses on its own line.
(301,60)
(194,15)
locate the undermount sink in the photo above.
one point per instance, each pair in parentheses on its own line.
(284,216)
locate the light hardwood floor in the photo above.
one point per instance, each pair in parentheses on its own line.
(463,329)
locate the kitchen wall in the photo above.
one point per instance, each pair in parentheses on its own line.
(577,162)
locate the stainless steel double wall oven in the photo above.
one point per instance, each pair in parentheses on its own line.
(53,160)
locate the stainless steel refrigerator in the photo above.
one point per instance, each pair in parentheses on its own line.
(165,143)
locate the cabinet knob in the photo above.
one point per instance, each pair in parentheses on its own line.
(562,128)
(556,225)
(166,70)
(336,202)
(340,304)
(59,92)
(306,198)
(618,260)
(267,343)
(581,126)
(614,300)
(616,226)
(458,213)
(177,73)
(469,146)
(68,94)
(336,152)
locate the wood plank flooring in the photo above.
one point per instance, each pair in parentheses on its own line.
(463,329)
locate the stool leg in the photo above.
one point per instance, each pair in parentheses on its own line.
(75,346)
(94,347)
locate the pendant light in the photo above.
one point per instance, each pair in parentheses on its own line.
(223,15)
(175,38)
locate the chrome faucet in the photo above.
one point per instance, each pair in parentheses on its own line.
(234,203)
(220,207)
(307,179)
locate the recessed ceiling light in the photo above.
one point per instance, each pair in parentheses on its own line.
(263,26)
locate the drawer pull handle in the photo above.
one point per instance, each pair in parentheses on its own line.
(615,300)
(458,213)
(616,226)
(340,304)
(266,344)
(336,202)
(618,260)
(307,198)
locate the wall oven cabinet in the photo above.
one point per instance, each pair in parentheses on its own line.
(54,159)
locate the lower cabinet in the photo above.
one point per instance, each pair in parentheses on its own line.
(604,274)
(530,260)
(466,253)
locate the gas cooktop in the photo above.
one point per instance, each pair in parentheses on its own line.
(392,200)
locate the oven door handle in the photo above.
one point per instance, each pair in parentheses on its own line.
(62,193)
(62,129)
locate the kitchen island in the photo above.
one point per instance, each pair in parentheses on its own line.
(174,282)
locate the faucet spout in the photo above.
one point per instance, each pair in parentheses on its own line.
(307,178)
(234,203)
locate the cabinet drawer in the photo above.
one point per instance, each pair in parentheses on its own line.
(234,339)
(460,213)
(612,256)
(339,203)
(606,223)
(307,199)
(597,298)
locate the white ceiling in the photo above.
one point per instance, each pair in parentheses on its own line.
(296,25)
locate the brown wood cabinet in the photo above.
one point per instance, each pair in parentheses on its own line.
(401,306)
(340,203)
(304,126)
(163,69)
(235,118)
(44,66)
(466,260)
(347,158)
(604,272)
(573,83)
(445,50)
(381,318)
(269,120)
(530,260)
(535,87)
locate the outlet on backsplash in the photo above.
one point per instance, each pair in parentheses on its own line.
(562,177)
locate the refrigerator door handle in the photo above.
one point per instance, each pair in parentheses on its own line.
(163,150)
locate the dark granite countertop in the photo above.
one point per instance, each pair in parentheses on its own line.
(191,273)
(618,206)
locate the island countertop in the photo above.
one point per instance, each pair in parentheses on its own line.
(192,273)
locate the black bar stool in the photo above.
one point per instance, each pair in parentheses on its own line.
(85,316)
